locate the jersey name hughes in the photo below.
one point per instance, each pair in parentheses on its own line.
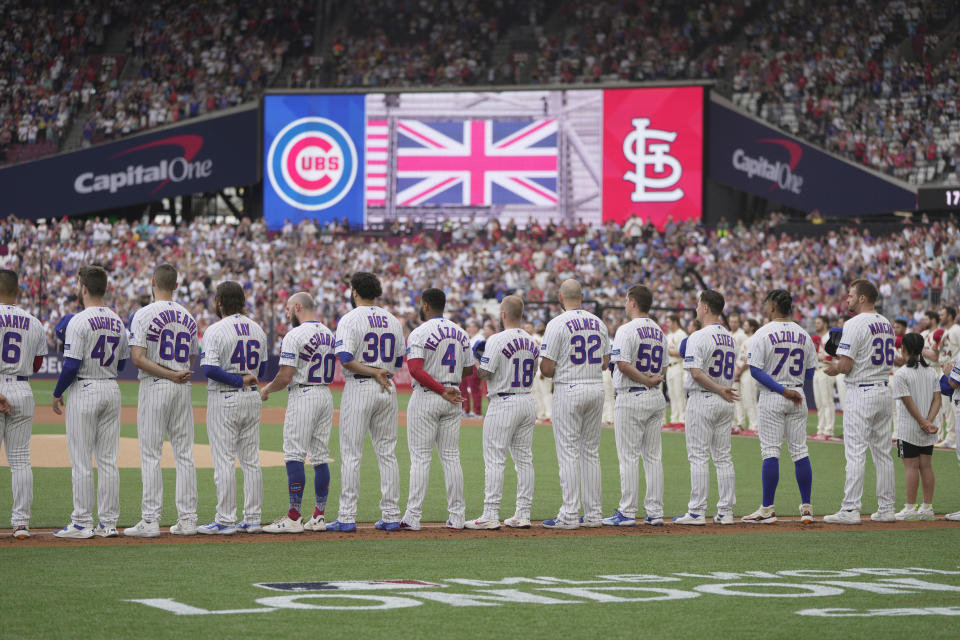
(520,344)
(778,337)
(880,327)
(316,341)
(445,332)
(14,322)
(105,323)
(164,318)
(582,324)
(724,340)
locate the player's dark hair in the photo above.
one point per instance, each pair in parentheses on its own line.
(642,295)
(436,299)
(825,319)
(231,298)
(932,315)
(951,311)
(913,346)
(165,276)
(367,285)
(752,323)
(94,278)
(900,321)
(865,288)
(714,301)
(674,317)
(8,282)
(782,301)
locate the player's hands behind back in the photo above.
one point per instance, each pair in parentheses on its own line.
(382,376)
(793,396)
(58,406)
(4,404)
(249,380)
(182,377)
(729,394)
(452,395)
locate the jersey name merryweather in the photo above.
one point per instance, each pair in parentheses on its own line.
(171,316)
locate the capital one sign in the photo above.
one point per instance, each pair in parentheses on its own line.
(653,154)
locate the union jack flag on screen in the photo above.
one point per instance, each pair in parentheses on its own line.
(465,162)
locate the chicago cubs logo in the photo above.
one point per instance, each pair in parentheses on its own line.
(312,163)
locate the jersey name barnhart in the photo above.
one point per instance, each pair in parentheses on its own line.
(519,344)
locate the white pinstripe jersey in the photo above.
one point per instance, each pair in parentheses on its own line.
(309,350)
(576,340)
(918,383)
(642,343)
(444,348)
(714,351)
(96,336)
(21,340)
(236,344)
(511,358)
(168,332)
(373,336)
(868,339)
(784,350)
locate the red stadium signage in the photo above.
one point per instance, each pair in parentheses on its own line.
(653,154)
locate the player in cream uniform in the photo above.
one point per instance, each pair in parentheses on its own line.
(748,386)
(508,365)
(865,354)
(823,385)
(675,374)
(948,351)
(233,355)
(163,346)
(639,352)
(370,347)
(781,357)
(542,389)
(710,359)
(23,344)
(438,356)
(95,350)
(735,325)
(575,350)
(307,366)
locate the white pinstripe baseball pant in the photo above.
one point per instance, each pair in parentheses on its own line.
(678,399)
(365,406)
(577,411)
(431,420)
(307,424)
(93,429)
(508,425)
(233,427)
(782,420)
(638,416)
(164,407)
(709,420)
(823,386)
(866,424)
(15,435)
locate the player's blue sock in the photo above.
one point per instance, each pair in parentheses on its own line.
(321,485)
(804,478)
(296,478)
(770,477)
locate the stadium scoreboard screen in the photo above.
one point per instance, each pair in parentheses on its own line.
(939,198)
(595,155)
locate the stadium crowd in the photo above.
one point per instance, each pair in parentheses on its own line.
(477,264)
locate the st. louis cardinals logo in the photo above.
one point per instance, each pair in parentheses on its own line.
(312,163)
(641,154)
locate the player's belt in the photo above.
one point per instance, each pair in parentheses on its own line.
(94,378)
(14,379)
(507,395)
(304,386)
(872,384)
(632,389)
(240,389)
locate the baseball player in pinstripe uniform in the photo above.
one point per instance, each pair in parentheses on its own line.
(307,367)
(22,347)
(710,358)
(438,356)
(639,351)
(95,350)
(508,364)
(163,345)
(865,355)
(781,356)
(369,344)
(233,352)
(575,350)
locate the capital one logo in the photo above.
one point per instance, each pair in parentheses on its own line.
(644,147)
(312,163)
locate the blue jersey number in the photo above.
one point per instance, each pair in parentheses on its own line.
(100,350)
(649,358)
(10,350)
(523,372)
(585,349)
(449,358)
(796,362)
(380,347)
(246,355)
(883,351)
(174,347)
(724,363)
(323,368)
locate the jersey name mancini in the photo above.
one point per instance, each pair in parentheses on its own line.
(171,316)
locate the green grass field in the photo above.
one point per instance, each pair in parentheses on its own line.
(88,586)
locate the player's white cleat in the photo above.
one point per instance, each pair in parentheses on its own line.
(883,516)
(908,513)
(556,523)
(806,514)
(216,529)
(316,523)
(450,525)
(517,523)
(249,527)
(21,532)
(143,529)
(723,518)
(284,525)
(184,528)
(653,521)
(844,516)
(482,523)
(591,524)
(105,532)
(926,513)
(405,526)
(763,515)
(955,516)
(74,530)
(690,519)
